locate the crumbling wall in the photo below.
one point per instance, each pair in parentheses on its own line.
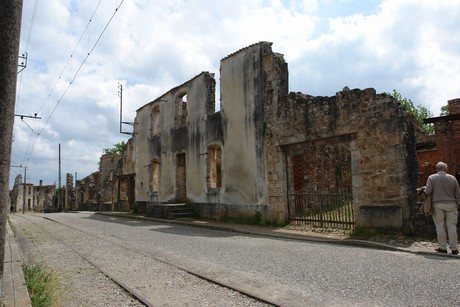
(44,196)
(376,132)
(240,161)
(107,168)
(88,189)
(178,148)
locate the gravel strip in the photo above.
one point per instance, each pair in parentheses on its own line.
(82,284)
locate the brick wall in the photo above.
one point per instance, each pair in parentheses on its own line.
(444,146)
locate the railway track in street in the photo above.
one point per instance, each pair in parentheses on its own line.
(28,224)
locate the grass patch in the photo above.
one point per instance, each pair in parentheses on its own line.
(41,284)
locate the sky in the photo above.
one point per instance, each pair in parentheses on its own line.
(80,51)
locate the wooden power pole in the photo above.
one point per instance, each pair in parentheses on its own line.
(10,28)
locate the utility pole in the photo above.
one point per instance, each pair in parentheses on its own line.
(24,191)
(59,180)
(10,29)
(120,94)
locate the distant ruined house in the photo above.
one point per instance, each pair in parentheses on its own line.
(32,198)
(99,191)
(87,192)
(44,196)
(272,154)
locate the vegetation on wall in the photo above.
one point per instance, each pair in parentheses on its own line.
(444,110)
(117,149)
(418,112)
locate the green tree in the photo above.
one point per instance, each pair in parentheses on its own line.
(419,113)
(445,110)
(117,149)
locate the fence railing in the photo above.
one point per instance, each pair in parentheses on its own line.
(322,209)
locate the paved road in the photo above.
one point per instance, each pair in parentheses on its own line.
(284,272)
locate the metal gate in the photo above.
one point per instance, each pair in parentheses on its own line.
(322,209)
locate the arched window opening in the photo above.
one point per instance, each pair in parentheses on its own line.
(181,110)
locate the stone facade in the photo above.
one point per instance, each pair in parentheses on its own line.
(265,142)
(107,168)
(124,184)
(44,197)
(358,140)
(100,190)
(87,191)
(35,198)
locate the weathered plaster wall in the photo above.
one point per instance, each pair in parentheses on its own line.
(242,115)
(129,159)
(259,127)
(175,137)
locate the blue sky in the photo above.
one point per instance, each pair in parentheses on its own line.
(151,46)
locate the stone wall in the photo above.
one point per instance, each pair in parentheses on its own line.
(272,141)
(107,168)
(88,188)
(367,145)
(44,196)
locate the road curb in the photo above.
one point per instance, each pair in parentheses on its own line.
(14,289)
(260,231)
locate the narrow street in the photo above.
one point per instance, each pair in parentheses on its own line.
(172,265)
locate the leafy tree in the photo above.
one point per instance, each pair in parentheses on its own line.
(444,110)
(420,113)
(117,149)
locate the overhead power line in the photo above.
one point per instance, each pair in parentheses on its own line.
(75,75)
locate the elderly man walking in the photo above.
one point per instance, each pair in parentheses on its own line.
(445,194)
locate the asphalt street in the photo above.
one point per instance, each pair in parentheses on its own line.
(285,272)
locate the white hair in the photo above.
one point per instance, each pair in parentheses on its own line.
(441,166)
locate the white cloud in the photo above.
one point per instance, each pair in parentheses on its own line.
(152,46)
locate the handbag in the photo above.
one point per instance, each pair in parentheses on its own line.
(427,207)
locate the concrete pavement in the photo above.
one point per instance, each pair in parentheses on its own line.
(14,291)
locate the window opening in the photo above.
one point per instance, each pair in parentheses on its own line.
(155,177)
(156,120)
(215,166)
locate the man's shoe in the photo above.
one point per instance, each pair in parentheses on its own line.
(455,252)
(440,250)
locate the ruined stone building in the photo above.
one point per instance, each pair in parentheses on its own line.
(31,198)
(124,183)
(87,192)
(44,196)
(100,190)
(271,153)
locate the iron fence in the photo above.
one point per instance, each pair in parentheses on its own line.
(322,209)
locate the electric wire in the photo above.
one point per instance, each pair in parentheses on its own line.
(56,83)
(72,80)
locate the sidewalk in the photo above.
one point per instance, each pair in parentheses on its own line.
(14,291)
